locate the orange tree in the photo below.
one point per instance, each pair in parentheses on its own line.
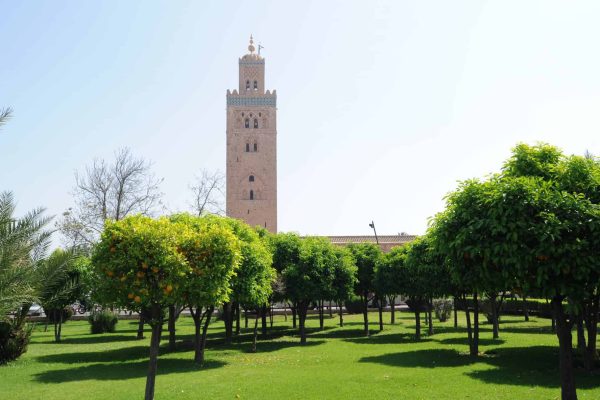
(366,256)
(140,266)
(213,255)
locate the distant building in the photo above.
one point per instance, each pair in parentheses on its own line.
(252,153)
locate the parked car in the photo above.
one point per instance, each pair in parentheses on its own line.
(35,310)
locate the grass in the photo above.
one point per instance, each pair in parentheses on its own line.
(337,363)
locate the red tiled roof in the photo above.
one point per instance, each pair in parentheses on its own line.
(399,239)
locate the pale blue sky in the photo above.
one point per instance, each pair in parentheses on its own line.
(382,105)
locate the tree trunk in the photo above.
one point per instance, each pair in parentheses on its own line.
(469,327)
(156,326)
(264,320)
(321,317)
(245,318)
(254,337)
(380,307)
(429,317)
(172,328)
(563,331)
(591,324)
(227,319)
(197,317)
(392,310)
(209,313)
(294,315)
(271,315)
(475,351)
(330,310)
(237,319)
(341,314)
(525,309)
(417,324)
(455,313)
(140,332)
(365,301)
(495,333)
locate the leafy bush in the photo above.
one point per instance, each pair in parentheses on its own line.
(13,341)
(354,305)
(53,315)
(103,321)
(442,308)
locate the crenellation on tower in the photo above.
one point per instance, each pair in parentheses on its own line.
(252,146)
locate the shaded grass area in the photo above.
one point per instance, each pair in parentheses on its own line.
(336,363)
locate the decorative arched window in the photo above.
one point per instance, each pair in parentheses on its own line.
(255,85)
(255,123)
(247,85)
(247,123)
(252,195)
(251,178)
(247,147)
(255,146)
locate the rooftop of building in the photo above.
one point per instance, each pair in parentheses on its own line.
(399,239)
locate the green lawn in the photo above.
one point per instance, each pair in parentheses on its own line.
(336,363)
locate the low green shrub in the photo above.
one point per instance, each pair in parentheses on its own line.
(442,308)
(13,341)
(354,305)
(103,321)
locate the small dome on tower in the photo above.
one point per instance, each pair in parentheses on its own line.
(252,55)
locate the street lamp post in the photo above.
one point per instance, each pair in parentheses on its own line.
(372,225)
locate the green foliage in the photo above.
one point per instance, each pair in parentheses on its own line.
(58,315)
(425,273)
(13,341)
(354,305)
(311,278)
(213,254)
(344,275)
(366,256)
(139,263)
(286,250)
(59,283)
(103,321)
(389,272)
(536,161)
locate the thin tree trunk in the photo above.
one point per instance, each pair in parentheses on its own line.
(475,325)
(469,327)
(330,310)
(380,307)
(429,317)
(227,319)
(455,313)
(365,301)
(140,332)
(393,310)
(154,346)
(321,317)
(294,315)
(302,316)
(245,318)
(525,309)
(254,337)
(563,331)
(417,324)
(271,315)
(495,333)
(172,328)
(591,324)
(208,317)
(197,316)
(237,319)
(285,311)
(341,314)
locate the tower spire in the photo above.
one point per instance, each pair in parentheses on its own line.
(251,45)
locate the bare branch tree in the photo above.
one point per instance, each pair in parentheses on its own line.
(109,191)
(5,114)
(208,193)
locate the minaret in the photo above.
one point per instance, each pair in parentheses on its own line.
(252,146)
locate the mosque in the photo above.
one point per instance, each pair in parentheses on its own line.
(251,170)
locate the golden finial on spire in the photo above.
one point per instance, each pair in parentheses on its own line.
(251,45)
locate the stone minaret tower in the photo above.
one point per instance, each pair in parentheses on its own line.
(252,146)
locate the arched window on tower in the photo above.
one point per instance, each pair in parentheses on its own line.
(247,147)
(255,146)
(255,123)
(252,195)
(251,178)
(247,123)
(247,85)
(255,85)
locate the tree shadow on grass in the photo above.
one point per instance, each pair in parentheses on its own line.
(386,338)
(123,371)
(522,366)
(117,355)
(465,341)
(92,339)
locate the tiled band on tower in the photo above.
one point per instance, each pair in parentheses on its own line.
(252,146)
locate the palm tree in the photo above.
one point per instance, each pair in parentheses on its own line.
(5,114)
